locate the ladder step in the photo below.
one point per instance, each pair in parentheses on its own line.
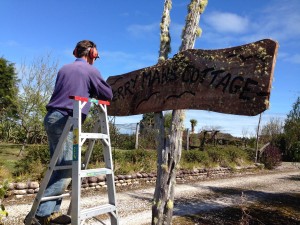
(95,172)
(55,197)
(67,167)
(95,211)
(93,135)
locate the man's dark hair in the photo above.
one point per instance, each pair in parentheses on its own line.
(83,47)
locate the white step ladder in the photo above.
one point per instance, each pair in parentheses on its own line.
(79,168)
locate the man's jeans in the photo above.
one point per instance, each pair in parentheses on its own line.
(54,123)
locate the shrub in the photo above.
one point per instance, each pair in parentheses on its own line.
(97,154)
(124,141)
(216,156)
(135,161)
(271,157)
(3,192)
(35,162)
(236,155)
(295,152)
(195,156)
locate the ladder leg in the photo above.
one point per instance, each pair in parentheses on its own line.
(49,173)
(109,164)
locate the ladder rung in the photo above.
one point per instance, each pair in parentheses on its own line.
(95,211)
(55,197)
(68,167)
(93,135)
(95,172)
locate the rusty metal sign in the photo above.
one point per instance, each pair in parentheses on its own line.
(233,80)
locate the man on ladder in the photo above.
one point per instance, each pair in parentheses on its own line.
(79,78)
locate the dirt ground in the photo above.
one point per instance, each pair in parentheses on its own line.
(265,198)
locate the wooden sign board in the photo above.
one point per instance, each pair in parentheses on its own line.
(233,80)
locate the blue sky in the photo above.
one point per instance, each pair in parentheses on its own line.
(127,36)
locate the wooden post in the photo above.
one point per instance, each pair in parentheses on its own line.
(187,139)
(257,137)
(137,135)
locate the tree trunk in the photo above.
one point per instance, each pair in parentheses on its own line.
(24,144)
(161,193)
(169,150)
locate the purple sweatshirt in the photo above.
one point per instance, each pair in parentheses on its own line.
(78,79)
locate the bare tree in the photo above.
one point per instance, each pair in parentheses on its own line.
(36,88)
(170,149)
(272,128)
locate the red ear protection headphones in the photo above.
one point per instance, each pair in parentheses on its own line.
(93,53)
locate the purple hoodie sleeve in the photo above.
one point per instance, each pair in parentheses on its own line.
(100,88)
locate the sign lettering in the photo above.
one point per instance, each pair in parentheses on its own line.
(234,80)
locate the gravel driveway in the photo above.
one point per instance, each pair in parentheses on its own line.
(134,206)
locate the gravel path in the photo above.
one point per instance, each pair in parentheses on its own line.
(134,206)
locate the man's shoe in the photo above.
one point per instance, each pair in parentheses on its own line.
(43,220)
(59,218)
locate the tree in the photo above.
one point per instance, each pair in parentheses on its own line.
(193,124)
(292,131)
(271,129)
(147,122)
(8,88)
(36,89)
(8,99)
(169,150)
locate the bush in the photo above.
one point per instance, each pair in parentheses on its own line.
(3,192)
(217,156)
(195,156)
(295,152)
(236,155)
(124,141)
(271,157)
(34,163)
(131,161)
(97,154)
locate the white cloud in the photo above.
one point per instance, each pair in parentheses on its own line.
(281,20)
(287,57)
(138,30)
(225,22)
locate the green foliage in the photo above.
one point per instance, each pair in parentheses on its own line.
(292,129)
(216,156)
(3,192)
(195,156)
(34,163)
(3,188)
(125,141)
(235,155)
(8,100)
(8,88)
(97,154)
(136,156)
(168,120)
(252,142)
(295,150)
(3,212)
(135,161)
(271,157)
